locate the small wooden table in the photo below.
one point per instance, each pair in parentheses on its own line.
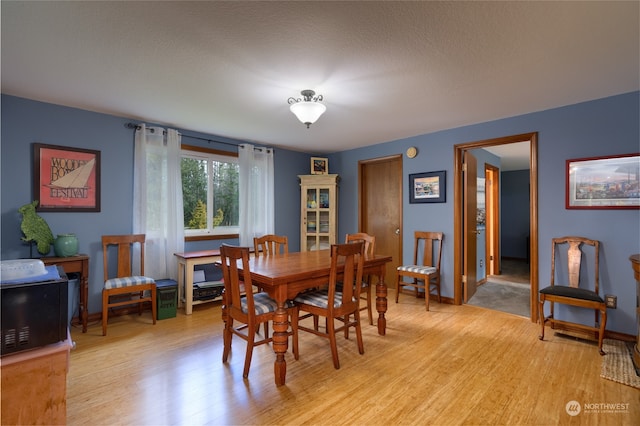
(76,264)
(284,276)
(186,262)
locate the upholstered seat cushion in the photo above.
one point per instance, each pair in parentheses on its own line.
(319,298)
(576,293)
(127,281)
(262,303)
(418,269)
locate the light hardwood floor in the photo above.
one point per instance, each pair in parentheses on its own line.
(452,365)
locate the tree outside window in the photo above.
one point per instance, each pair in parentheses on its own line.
(210,193)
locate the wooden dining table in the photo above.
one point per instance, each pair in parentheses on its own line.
(283,276)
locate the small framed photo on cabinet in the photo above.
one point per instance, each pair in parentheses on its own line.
(319,166)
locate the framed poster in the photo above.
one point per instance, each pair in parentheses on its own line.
(319,166)
(66,179)
(603,182)
(429,187)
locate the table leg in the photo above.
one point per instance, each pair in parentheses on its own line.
(180,283)
(381,304)
(188,289)
(280,342)
(84,300)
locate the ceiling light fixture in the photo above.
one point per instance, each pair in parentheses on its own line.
(308,108)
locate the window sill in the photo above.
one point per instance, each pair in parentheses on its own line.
(210,237)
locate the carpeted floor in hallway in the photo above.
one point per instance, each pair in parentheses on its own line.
(507,292)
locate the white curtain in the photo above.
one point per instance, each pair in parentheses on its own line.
(256,191)
(157,199)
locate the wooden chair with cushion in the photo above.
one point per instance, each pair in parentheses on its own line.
(566,260)
(248,309)
(369,249)
(425,274)
(346,264)
(270,244)
(140,287)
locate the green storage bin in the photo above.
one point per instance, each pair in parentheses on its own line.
(166,299)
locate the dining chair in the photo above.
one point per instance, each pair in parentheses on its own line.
(425,270)
(567,254)
(346,264)
(248,309)
(270,244)
(141,289)
(369,250)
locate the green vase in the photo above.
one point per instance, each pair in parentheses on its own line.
(66,245)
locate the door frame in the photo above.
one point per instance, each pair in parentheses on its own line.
(458,247)
(492,235)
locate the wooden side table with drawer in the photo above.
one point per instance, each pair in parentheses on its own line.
(78,264)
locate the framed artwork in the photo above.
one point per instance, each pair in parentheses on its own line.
(319,166)
(603,182)
(66,179)
(429,187)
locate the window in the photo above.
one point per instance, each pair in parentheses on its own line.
(209,192)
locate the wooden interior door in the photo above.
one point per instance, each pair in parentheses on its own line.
(380,208)
(470,223)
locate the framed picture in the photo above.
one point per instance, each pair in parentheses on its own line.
(429,187)
(319,166)
(603,182)
(66,179)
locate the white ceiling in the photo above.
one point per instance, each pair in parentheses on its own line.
(387,70)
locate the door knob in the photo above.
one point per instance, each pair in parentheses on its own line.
(398,231)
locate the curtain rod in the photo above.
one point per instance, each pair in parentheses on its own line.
(138,127)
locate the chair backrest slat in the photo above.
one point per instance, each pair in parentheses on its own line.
(369,241)
(430,243)
(347,262)
(574,256)
(235,288)
(271,244)
(125,245)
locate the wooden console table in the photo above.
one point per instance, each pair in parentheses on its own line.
(76,264)
(186,262)
(635,263)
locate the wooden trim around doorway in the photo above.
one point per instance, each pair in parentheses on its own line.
(458,257)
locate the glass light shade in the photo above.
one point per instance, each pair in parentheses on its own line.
(308,112)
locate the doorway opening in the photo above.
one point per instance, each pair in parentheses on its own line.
(466,230)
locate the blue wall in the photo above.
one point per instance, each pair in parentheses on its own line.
(25,122)
(514,214)
(602,127)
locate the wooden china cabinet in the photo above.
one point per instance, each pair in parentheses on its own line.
(318,211)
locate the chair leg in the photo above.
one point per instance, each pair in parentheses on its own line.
(105,311)
(346,328)
(603,323)
(226,338)
(541,317)
(369,304)
(359,333)
(251,335)
(154,295)
(398,287)
(331,331)
(427,292)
